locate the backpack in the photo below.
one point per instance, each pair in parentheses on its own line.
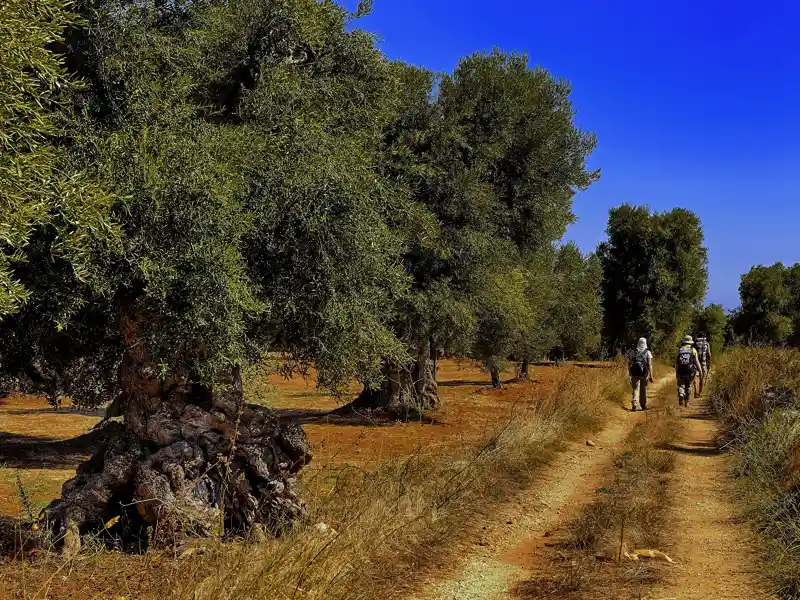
(638,366)
(701,345)
(685,361)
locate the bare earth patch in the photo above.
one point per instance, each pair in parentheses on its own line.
(40,441)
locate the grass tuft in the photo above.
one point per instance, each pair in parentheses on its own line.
(631,509)
(756,394)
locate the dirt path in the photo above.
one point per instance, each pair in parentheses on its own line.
(515,535)
(709,542)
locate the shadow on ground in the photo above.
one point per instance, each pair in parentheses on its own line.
(24,412)
(344,417)
(704,416)
(696,448)
(19,451)
(347,415)
(580,365)
(482,383)
(9,533)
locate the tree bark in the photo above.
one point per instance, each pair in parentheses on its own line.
(406,390)
(495,372)
(188,460)
(423,368)
(524,369)
(435,360)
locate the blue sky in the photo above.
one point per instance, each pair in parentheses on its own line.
(695,104)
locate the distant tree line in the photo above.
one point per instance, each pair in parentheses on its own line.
(769,311)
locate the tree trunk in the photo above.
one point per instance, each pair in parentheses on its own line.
(495,375)
(423,370)
(406,390)
(188,460)
(523,370)
(435,360)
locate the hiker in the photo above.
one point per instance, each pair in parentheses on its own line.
(704,354)
(687,365)
(640,368)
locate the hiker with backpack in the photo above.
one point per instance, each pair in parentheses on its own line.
(640,368)
(704,354)
(687,365)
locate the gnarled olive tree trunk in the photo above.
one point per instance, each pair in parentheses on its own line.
(494,370)
(187,459)
(524,369)
(406,389)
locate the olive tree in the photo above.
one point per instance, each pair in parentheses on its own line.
(712,321)
(576,312)
(655,275)
(239,141)
(491,159)
(770,305)
(37,187)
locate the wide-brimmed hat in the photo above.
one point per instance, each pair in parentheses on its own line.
(688,340)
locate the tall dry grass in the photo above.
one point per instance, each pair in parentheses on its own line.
(391,527)
(756,393)
(385,529)
(631,509)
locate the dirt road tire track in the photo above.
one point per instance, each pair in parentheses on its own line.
(709,541)
(566,486)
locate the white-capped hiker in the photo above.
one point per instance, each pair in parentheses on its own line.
(640,368)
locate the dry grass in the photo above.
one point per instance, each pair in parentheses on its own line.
(636,499)
(756,393)
(388,528)
(631,508)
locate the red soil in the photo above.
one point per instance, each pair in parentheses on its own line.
(471,409)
